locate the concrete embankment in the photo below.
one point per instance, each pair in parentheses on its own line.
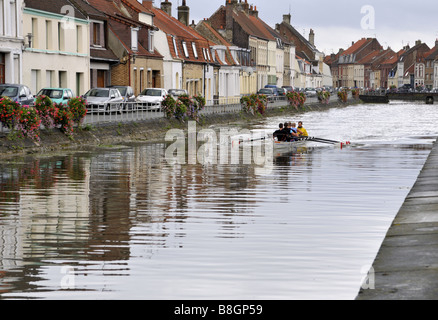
(146,131)
(406,267)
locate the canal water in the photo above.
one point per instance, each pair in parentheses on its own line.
(124,223)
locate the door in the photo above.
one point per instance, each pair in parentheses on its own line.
(2,68)
(101,78)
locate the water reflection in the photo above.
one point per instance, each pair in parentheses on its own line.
(131,225)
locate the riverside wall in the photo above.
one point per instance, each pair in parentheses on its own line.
(153,130)
(406,266)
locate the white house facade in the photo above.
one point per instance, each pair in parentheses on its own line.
(59,52)
(11,41)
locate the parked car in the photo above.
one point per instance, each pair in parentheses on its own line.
(310,92)
(405,88)
(104,100)
(288,88)
(128,96)
(177,92)
(277,91)
(18,93)
(269,92)
(57,95)
(151,98)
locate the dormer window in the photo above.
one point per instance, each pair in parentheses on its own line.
(175,47)
(195,52)
(134,39)
(186,52)
(151,41)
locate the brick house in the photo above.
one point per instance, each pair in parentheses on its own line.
(430,58)
(411,65)
(188,59)
(348,76)
(131,39)
(239,24)
(102,58)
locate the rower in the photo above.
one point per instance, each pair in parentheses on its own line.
(301,131)
(293,131)
(280,134)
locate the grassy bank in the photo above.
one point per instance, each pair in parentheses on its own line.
(54,140)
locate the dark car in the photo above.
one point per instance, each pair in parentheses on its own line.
(128,96)
(277,91)
(18,93)
(405,88)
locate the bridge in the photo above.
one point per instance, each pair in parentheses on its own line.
(385,97)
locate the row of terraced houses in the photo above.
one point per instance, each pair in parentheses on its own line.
(81,44)
(366,64)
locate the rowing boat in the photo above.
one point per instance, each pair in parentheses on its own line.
(289,146)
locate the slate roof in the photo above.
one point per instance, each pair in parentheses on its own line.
(55,6)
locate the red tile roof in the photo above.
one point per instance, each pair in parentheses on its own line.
(357,46)
(174,29)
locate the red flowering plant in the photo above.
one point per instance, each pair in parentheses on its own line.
(296,99)
(78,107)
(64,118)
(46,110)
(29,123)
(195,105)
(8,112)
(168,106)
(255,103)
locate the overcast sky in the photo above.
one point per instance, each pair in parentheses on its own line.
(339,22)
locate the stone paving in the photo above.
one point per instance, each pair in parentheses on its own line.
(406,267)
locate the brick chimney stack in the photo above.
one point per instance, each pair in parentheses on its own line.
(166,6)
(312,37)
(184,13)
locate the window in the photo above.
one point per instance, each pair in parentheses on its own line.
(186,52)
(195,52)
(48,35)
(175,47)
(61,38)
(204,54)
(79,40)
(151,41)
(96,36)
(134,39)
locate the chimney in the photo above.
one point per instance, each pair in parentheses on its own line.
(183,13)
(166,6)
(147,4)
(253,11)
(418,42)
(286,18)
(312,37)
(245,7)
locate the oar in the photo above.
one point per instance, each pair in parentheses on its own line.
(327,140)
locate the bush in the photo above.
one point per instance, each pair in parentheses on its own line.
(64,118)
(323,96)
(168,105)
(9,112)
(343,95)
(184,107)
(296,99)
(29,122)
(255,103)
(78,108)
(46,111)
